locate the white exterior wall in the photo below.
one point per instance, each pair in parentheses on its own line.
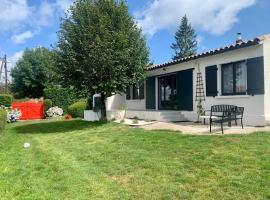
(136,104)
(116,102)
(266,52)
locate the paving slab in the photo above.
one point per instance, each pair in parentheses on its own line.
(201,129)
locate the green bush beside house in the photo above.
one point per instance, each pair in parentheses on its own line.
(77,109)
(61,97)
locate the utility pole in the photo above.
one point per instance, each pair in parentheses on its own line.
(2,65)
(6,78)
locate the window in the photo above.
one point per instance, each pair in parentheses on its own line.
(138,91)
(167,92)
(234,78)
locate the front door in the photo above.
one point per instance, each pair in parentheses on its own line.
(167,92)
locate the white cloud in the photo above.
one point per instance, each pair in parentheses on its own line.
(13,13)
(18,15)
(16,56)
(45,13)
(213,16)
(22,37)
(12,60)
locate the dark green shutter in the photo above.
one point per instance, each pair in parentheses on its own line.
(255,76)
(211,81)
(185,90)
(151,93)
(141,95)
(128,93)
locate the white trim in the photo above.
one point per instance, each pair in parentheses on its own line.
(233,97)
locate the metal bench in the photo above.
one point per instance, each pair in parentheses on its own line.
(224,114)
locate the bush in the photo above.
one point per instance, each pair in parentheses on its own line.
(3,120)
(77,109)
(61,97)
(6,100)
(47,104)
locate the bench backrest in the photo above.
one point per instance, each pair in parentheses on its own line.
(224,109)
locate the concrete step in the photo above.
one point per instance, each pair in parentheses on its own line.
(171,116)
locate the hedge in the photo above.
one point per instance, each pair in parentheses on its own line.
(47,104)
(6,100)
(61,97)
(3,120)
(77,109)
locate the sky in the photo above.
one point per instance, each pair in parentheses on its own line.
(33,23)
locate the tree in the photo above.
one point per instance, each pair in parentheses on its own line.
(100,49)
(32,72)
(185,40)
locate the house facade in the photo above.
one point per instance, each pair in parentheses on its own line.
(238,74)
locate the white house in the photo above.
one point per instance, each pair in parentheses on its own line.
(238,74)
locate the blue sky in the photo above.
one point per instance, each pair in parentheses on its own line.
(32,23)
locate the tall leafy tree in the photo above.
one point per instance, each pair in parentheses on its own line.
(100,49)
(185,40)
(32,72)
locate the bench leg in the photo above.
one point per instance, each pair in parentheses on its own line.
(204,121)
(236,122)
(210,122)
(242,123)
(222,127)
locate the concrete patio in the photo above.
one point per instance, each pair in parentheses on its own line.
(200,129)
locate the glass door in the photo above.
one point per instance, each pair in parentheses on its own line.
(167,92)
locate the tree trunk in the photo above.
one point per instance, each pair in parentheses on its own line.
(103,107)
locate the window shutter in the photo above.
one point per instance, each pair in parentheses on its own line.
(211,81)
(255,76)
(185,90)
(141,95)
(151,93)
(128,93)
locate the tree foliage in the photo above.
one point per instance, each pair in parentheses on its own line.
(100,48)
(185,40)
(32,72)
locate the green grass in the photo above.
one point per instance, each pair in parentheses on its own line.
(82,160)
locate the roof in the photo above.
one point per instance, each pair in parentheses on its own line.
(231,47)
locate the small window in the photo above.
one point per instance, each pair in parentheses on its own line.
(138,91)
(234,78)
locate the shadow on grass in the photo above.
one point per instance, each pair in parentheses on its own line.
(56,127)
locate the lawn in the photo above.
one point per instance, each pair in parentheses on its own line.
(83,160)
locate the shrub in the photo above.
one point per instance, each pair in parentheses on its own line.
(77,109)
(55,112)
(3,120)
(61,97)
(6,100)
(47,104)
